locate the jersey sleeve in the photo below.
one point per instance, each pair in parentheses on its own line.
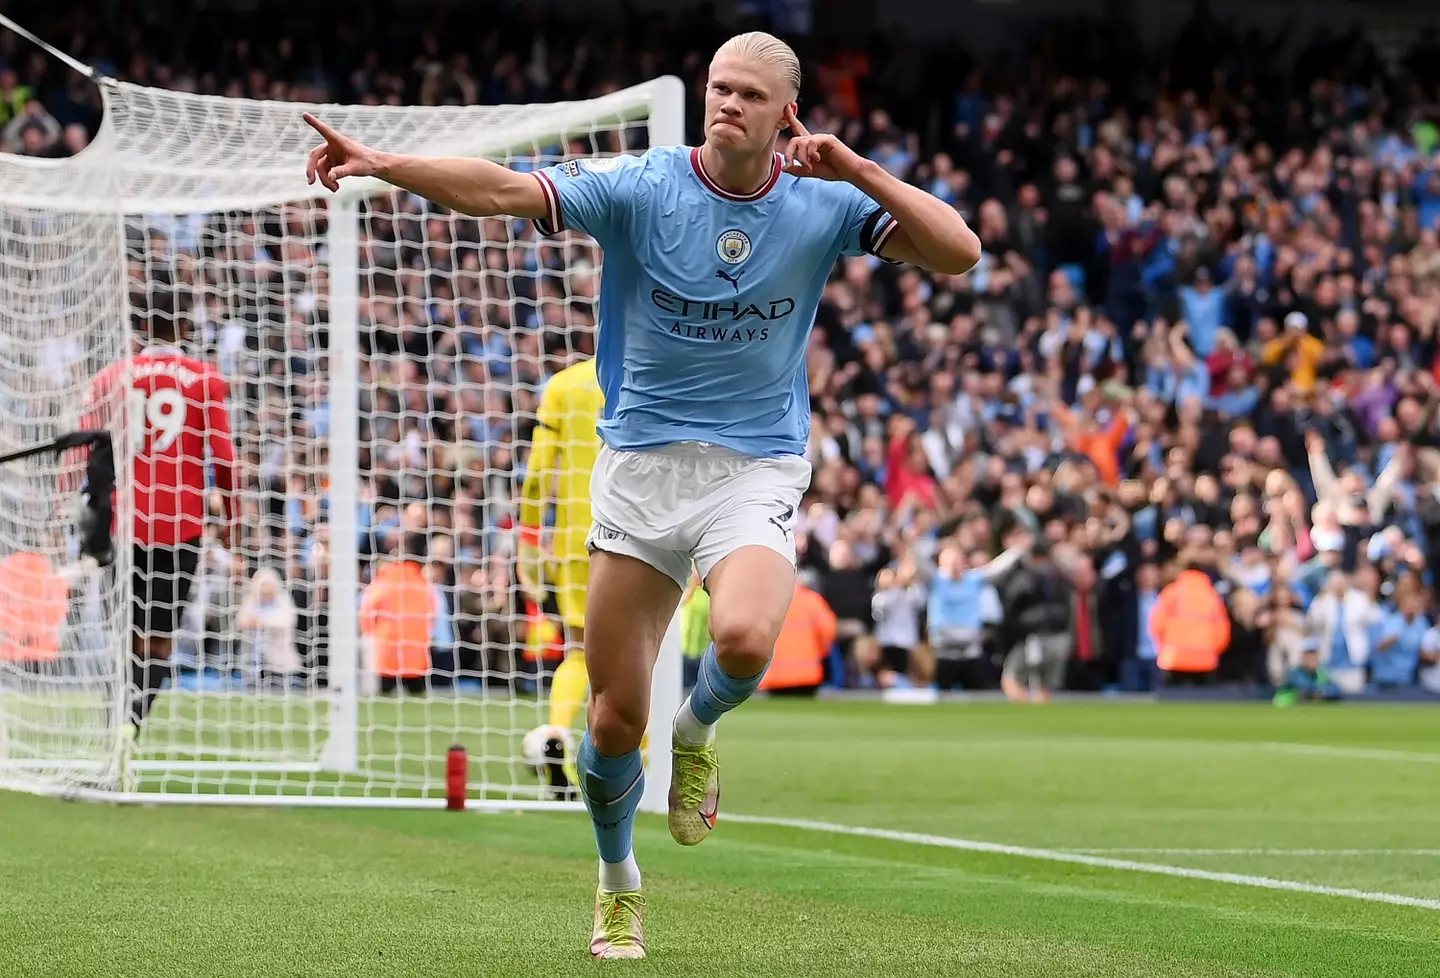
(94,416)
(590,195)
(866,226)
(220,441)
(544,449)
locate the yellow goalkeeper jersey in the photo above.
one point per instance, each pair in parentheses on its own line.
(562,456)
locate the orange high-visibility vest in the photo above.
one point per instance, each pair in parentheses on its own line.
(32,609)
(1190,625)
(804,642)
(398,613)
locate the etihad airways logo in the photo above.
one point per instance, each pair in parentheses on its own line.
(733,322)
(733,312)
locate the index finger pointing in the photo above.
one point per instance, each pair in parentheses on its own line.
(330,134)
(793,121)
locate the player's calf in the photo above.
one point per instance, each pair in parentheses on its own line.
(723,683)
(612,786)
(750,594)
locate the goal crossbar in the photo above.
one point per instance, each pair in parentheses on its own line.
(112,175)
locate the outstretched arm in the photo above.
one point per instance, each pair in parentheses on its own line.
(479,188)
(1378,498)
(1002,563)
(931,233)
(1322,473)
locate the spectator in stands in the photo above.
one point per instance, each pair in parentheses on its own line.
(438,571)
(397,618)
(33,132)
(1308,680)
(847,585)
(1037,598)
(1398,641)
(962,608)
(1284,633)
(266,620)
(1430,660)
(956,621)
(804,643)
(1339,622)
(1139,670)
(489,625)
(896,608)
(1191,628)
(14,97)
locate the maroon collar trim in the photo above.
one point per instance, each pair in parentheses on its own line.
(718,191)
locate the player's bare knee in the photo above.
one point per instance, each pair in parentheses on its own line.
(742,644)
(616,724)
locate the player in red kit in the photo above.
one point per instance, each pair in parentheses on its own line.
(174,407)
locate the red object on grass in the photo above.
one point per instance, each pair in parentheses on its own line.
(457,776)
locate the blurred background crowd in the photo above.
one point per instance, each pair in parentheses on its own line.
(1178,427)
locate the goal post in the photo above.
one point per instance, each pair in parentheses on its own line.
(342,749)
(385,358)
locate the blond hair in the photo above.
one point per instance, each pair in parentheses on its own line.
(766,49)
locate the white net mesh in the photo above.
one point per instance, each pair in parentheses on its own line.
(62,316)
(452,325)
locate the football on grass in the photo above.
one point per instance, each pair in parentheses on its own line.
(532,748)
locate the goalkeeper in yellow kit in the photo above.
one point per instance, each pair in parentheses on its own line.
(563,452)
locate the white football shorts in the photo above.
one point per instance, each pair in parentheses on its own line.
(693,501)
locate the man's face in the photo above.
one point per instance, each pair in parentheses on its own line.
(745,102)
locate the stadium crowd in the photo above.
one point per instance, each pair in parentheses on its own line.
(1179,425)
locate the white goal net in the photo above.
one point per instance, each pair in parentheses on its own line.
(384,359)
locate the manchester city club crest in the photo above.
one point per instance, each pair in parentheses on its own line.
(733,246)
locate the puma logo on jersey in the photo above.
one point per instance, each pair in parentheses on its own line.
(734,280)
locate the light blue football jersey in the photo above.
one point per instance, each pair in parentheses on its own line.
(707,298)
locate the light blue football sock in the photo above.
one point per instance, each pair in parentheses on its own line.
(611,787)
(717,692)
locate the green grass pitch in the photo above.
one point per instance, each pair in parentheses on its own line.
(1343,797)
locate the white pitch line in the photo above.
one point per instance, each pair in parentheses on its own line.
(1358,753)
(1261,852)
(1099,862)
